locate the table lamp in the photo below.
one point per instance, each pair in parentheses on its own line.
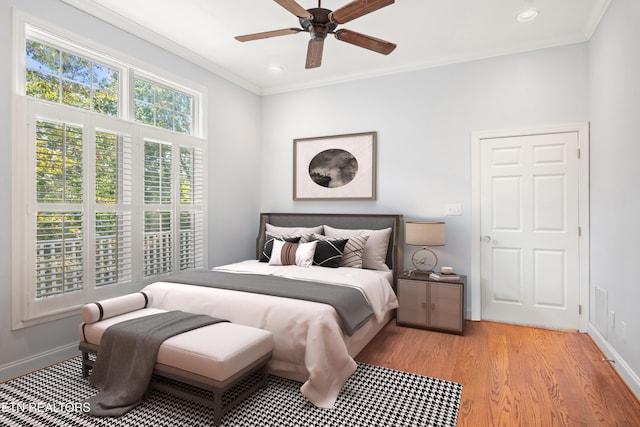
(424,234)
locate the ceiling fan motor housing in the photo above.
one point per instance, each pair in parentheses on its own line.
(320,24)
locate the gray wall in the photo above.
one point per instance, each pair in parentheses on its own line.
(614,101)
(424,121)
(234,119)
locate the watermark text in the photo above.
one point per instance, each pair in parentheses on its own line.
(42,407)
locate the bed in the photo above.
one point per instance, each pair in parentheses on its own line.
(310,342)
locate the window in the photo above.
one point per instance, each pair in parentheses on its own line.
(111,203)
(162,107)
(55,75)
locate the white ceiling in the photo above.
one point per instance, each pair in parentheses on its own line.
(428,33)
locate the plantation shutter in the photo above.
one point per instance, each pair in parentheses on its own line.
(158,229)
(59,253)
(191,251)
(114,196)
(59,227)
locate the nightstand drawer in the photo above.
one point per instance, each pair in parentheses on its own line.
(412,297)
(446,306)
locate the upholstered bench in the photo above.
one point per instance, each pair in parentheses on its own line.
(214,357)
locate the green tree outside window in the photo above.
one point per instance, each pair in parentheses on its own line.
(59,76)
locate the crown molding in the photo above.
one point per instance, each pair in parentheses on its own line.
(125,24)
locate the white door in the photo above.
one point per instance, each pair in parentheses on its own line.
(529,225)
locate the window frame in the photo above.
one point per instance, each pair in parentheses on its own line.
(26,310)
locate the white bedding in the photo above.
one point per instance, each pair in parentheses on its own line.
(308,339)
(374,284)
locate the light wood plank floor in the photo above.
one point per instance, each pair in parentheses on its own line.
(513,375)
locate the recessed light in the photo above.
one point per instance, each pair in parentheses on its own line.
(527,15)
(274,68)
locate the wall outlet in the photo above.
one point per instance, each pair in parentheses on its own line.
(612,319)
(622,331)
(455,209)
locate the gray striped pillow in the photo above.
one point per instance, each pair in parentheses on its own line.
(353,250)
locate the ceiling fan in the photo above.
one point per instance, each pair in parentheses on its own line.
(319,22)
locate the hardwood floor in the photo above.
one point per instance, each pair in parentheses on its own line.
(513,375)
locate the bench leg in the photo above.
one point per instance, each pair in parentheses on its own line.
(85,364)
(217,408)
(265,383)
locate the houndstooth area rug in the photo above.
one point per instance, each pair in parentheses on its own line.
(373,396)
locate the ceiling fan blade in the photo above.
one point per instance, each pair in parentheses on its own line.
(367,42)
(293,7)
(267,34)
(314,53)
(356,9)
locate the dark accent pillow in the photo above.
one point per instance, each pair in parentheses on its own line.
(268,245)
(329,253)
(353,250)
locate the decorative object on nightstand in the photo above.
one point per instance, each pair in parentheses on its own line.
(448,277)
(446,270)
(424,234)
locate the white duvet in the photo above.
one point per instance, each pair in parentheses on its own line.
(308,340)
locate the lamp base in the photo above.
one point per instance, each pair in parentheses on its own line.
(424,260)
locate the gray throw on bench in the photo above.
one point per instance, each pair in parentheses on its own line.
(349,302)
(127,355)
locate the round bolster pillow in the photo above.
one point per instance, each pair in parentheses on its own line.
(97,311)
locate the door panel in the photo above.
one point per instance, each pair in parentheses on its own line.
(507,274)
(549,279)
(507,205)
(529,219)
(548,214)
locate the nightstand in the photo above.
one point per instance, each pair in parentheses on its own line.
(431,304)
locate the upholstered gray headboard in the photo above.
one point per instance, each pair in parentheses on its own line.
(395,257)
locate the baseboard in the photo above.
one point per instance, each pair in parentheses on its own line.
(38,361)
(624,370)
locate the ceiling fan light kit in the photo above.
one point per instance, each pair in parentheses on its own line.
(320,22)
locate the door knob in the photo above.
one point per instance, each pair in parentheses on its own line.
(486,239)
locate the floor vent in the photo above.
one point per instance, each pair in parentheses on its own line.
(602,307)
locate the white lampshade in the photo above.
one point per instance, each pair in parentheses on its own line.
(424,233)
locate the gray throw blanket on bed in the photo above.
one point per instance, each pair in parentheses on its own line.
(127,355)
(349,302)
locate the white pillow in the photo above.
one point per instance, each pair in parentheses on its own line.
(278,231)
(96,311)
(304,237)
(375,250)
(302,256)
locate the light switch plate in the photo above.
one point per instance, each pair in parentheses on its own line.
(455,209)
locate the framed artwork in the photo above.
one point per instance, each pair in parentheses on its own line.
(335,167)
